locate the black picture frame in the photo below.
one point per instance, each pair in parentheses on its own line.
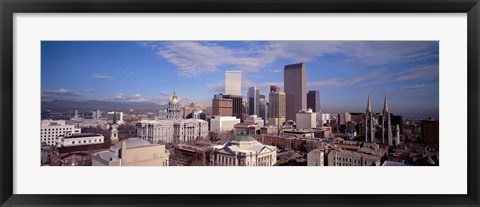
(9,7)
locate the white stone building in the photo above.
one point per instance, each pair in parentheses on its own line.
(315,158)
(223,123)
(115,116)
(306,119)
(156,130)
(324,118)
(169,131)
(132,152)
(189,129)
(50,130)
(80,139)
(243,150)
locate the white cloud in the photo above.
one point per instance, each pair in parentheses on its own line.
(196,58)
(60,94)
(101,77)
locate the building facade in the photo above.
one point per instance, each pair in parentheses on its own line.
(223,123)
(306,119)
(243,150)
(80,139)
(50,130)
(172,131)
(315,158)
(295,83)
(237,104)
(222,107)
(132,152)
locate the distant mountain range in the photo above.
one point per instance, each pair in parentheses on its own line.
(101,105)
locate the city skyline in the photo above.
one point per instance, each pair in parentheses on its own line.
(344,72)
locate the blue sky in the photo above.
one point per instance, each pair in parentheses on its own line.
(345,72)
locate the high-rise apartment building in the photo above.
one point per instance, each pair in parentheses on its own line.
(295,83)
(233,83)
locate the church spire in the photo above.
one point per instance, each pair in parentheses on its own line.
(369,106)
(385,105)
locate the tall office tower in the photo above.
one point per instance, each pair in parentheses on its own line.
(386,124)
(369,134)
(237,106)
(313,101)
(233,83)
(295,83)
(221,107)
(263,108)
(277,106)
(253,96)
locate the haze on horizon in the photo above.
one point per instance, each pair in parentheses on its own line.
(345,72)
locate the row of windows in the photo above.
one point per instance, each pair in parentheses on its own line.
(48,139)
(60,132)
(54,129)
(85,141)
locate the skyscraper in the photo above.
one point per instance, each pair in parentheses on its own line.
(222,107)
(237,106)
(313,101)
(295,83)
(233,83)
(277,106)
(263,108)
(253,97)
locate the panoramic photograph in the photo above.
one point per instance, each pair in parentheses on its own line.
(239,103)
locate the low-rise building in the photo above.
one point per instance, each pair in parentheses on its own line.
(223,123)
(50,130)
(315,158)
(243,150)
(80,139)
(306,119)
(132,152)
(172,131)
(338,157)
(292,143)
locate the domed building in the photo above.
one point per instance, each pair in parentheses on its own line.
(132,152)
(175,129)
(175,109)
(243,150)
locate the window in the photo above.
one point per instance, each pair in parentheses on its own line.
(73,142)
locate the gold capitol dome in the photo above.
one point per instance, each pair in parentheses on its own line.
(174,97)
